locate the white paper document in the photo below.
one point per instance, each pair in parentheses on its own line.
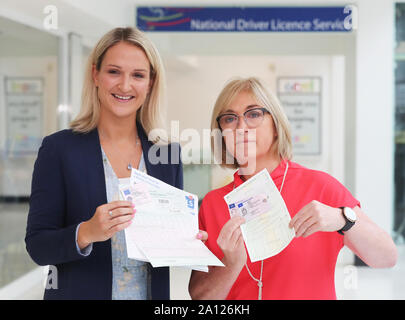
(266,231)
(164,229)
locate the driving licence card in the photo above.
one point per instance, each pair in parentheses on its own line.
(251,207)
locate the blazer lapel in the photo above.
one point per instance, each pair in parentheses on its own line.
(95,171)
(152,170)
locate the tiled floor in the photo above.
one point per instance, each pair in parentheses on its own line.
(351,282)
(354,283)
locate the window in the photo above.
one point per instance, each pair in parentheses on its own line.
(399,222)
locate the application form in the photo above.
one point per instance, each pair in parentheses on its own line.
(266,231)
(164,229)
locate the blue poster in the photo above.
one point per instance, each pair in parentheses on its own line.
(244,19)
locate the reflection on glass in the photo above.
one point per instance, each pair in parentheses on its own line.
(28,102)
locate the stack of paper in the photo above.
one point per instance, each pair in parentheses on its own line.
(164,229)
(266,231)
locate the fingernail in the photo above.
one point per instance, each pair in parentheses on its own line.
(134,210)
(199,236)
(133,205)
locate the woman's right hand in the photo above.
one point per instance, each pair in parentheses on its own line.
(230,240)
(102,226)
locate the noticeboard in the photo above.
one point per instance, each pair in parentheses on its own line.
(24,105)
(301,100)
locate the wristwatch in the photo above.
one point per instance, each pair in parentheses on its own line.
(350,217)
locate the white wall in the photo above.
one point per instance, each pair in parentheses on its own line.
(116,13)
(90,24)
(375,111)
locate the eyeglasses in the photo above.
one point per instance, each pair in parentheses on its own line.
(253,118)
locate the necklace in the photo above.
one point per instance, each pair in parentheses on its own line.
(260,280)
(137,142)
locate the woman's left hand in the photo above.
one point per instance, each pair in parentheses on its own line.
(316,216)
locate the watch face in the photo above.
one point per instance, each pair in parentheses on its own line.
(350,214)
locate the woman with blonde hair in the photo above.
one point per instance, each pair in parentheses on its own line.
(76,221)
(325,216)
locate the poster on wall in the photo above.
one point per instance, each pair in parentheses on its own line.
(301,100)
(24,104)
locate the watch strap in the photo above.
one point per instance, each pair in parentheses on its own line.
(348,224)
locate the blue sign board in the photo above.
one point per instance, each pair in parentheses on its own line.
(245,19)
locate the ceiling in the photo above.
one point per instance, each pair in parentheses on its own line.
(20,40)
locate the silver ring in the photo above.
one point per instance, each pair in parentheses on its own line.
(110,213)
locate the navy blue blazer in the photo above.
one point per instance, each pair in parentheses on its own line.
(68,184)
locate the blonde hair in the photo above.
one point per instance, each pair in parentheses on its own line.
(150,114)
(267,100)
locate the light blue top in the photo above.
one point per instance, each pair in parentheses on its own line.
(131,278)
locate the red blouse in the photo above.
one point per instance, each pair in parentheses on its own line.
(305,269)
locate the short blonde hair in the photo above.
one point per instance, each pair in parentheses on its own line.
(267,100)
(150,114)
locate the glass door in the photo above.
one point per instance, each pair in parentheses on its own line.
(28,112)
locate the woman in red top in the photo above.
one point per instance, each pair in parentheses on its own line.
(325,216)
